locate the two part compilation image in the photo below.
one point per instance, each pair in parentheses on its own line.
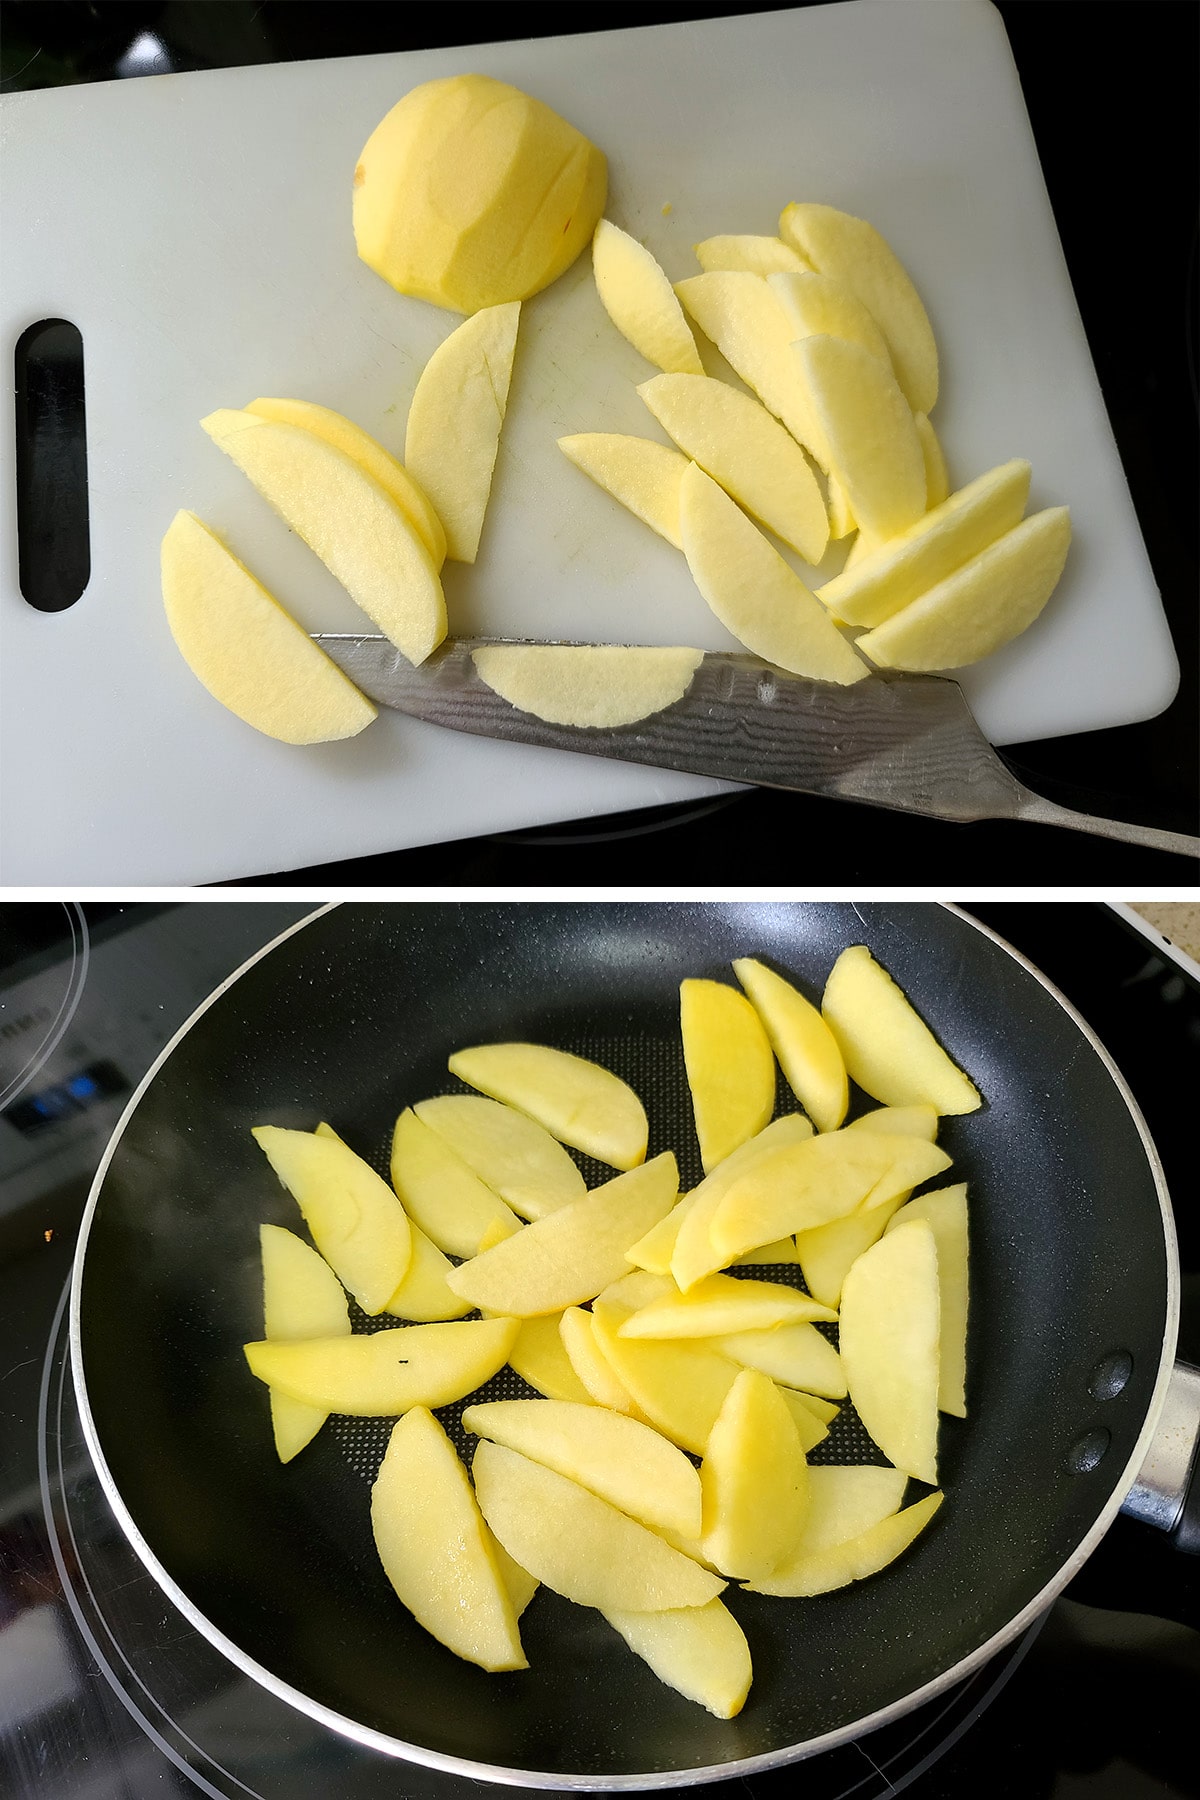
(598,946)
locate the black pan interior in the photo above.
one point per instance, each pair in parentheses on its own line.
(352,1018)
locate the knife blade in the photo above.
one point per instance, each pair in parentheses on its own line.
(906,742)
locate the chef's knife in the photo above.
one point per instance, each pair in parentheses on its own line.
(909,742)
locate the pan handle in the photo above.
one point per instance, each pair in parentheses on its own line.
(1166,1492)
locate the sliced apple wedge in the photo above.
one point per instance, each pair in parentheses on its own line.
(819,305)
(754,1481)
(357,1223)
(812,1425)
(754,592)
(510,1152)
(386,469)
(795,1355)
(679,1387)
(347,519)
(888,1048)
(900,570)
(700,1651)
(851,250)
(246,649)
(579,1545)
(945,1211)
(577,1101)
(641,302)
(806,1048)
(590,1364)
(539,1358)
(744,319)
(846,1499)
(423,1297)
(597,686)
(797,1186)
(436,1550)
(445,1197)
(820,1571)
(937,477)
(746,451)
(693,1254)
(639,472)
(571,1254)
(454,422)
(625,1462)
(888,1331)
(869,431)
(983,605)
(724,1303)
(730,1069)
(302,1298)
(825,1252)
(741,250)
(382,1372)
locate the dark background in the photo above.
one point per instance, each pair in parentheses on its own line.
(1111,90)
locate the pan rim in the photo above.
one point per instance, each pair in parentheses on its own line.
(369,1738)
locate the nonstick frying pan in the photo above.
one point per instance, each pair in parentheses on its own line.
(351,1016)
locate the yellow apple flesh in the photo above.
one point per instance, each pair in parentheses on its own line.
(643,475)
(302,1298)
(641,302)
(246,649)
(577,1101)
(347,519)
(806,1048)
(454,423)
(730,1069)
(869,431)
(888,1048)
(469,193)
(509,1152)
(888,1331)
(592,686)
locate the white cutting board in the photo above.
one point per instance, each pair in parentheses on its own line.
(197,229)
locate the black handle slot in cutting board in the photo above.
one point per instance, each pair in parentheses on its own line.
(53,544)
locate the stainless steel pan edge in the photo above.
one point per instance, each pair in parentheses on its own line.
(651,1780)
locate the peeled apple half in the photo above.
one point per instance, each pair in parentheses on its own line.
(470,193)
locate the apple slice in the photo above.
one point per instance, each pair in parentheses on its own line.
(590,1364)
(423,1296)
(639,472)
(700,1651)
(754,592)
(983,605)
(868,427)
(570,1254)
(754,1481)
(758,255)
(730,1069)
(745,450)
(589,685)
(577,1101)
(724,1303)
(819,1571)
(889,1343)
(780,1250)
(579,1545)
(351,523)
(391,474)
(626,1463)
(888,1049)
(445,1197)
(511,1152)
(945,1211)
(797,1186)
(838,244)
(825,1252)
(693,1254)
(454,422)
(937,478)
(384,1372)
(841,516)
(302,1298)
(678,1387)
(436,1550)
(818,305)
(744,319)
(795,1355)
(538,1356)
(356,1221)
(846,1499)
(653,1252)
(806,1048)
(812,1426)
(246,649)
(903,568)
(641,302)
